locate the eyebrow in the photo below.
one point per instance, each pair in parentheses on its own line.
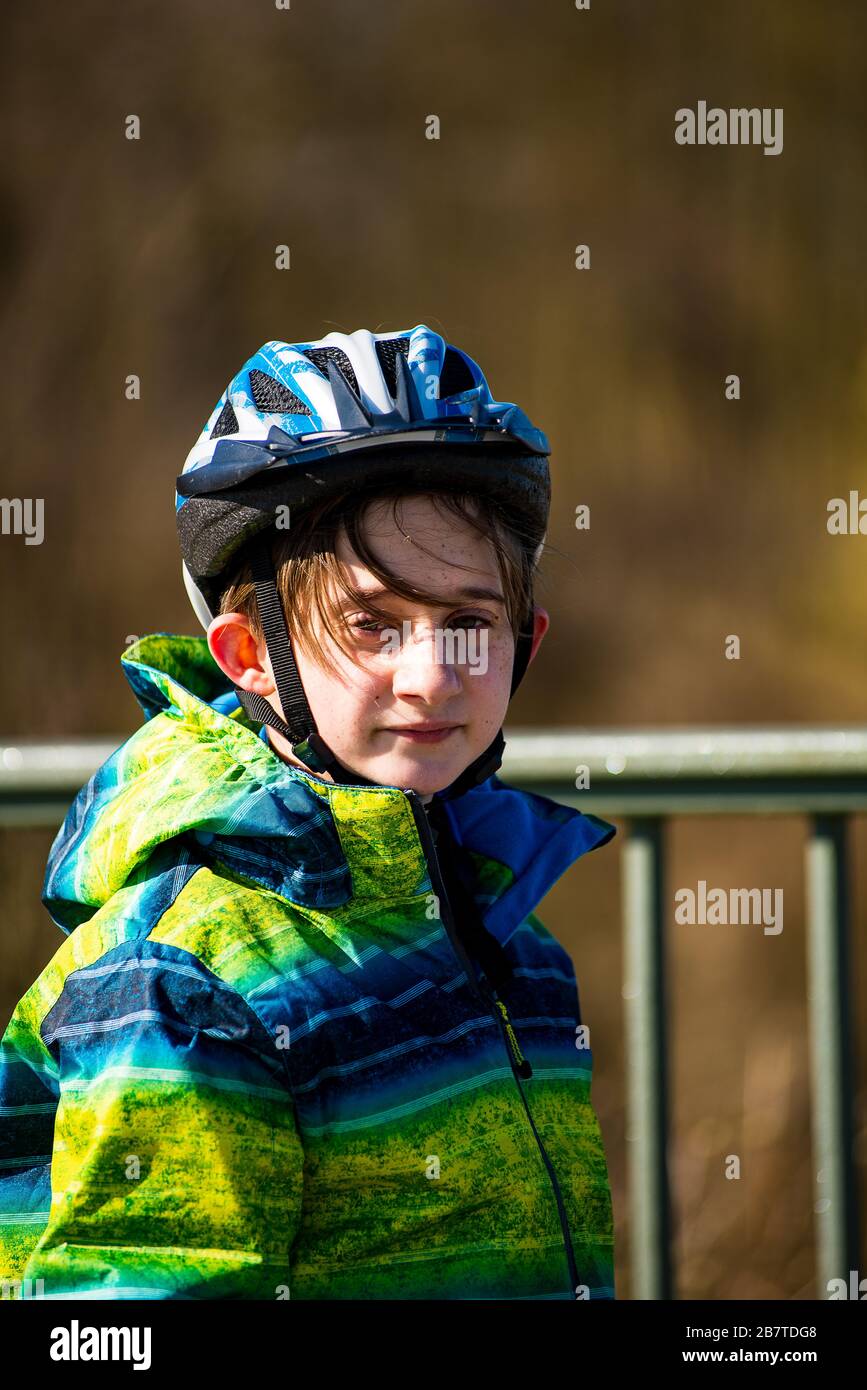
(473,592)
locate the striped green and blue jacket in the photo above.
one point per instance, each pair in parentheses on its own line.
(257,1067)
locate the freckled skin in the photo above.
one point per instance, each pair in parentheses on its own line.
(354,705)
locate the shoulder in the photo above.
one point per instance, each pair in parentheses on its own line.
(176,975)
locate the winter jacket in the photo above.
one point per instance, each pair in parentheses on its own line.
(261,1064)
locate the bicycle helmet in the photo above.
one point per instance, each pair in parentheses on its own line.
(304,421)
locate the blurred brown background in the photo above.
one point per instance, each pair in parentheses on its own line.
(306,126)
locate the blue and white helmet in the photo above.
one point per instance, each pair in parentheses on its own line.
(301,420)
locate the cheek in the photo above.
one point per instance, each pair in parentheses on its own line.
(325,690)
(489,687)
(346,696)
(501,655)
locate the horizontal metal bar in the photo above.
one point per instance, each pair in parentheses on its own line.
(681,754)
(705,771)
(31,765)
(795,796)
(611,755)
(635,772)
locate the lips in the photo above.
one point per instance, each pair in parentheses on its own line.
(420,728)
(423,733)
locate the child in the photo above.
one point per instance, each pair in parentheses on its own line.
(306,1037)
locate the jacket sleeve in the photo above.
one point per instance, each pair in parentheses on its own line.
(177,1167)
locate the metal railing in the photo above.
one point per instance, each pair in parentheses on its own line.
(647,777)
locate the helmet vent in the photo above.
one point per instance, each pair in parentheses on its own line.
(387,350)
(455,375)
(272,397)
(320,355)
(227,422)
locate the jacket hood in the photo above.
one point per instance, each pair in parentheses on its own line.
(201,773)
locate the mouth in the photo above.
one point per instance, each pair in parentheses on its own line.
(423,733)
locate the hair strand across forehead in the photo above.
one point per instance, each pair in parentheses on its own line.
(311,579)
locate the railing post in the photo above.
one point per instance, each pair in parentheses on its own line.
(831,1069)
(647,1089)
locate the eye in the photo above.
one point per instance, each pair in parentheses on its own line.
(476,619)
(367,625)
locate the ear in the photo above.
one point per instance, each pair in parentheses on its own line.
(238,655)
(541,623)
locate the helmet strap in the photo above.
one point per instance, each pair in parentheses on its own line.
(299,726)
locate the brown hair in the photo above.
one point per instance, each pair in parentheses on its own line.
(310,578)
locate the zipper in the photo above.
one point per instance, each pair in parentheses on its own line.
(488,996)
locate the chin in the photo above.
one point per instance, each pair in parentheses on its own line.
(419,775)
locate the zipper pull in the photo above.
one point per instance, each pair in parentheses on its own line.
(522,1065)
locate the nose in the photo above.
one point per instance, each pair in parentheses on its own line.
(417,671)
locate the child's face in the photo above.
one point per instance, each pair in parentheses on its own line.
(368,708)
